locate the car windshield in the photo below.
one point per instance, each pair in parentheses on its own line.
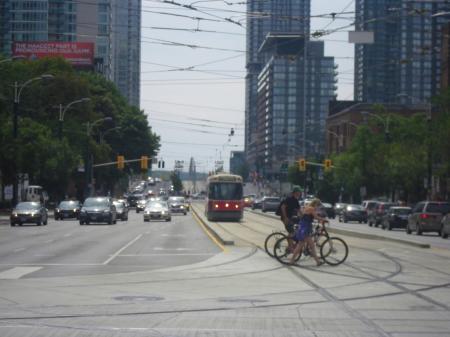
(440,207)
(401,211)
(95,202)
(272,199)
(176,199)
(28,205)
(118,204)
(68,204)
(355,208)
(156,204)
(225,191)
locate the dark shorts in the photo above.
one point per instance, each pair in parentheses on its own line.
(289,227)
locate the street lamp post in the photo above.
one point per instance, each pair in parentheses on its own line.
(18,87)
(340,139)
(62,112)
(89,160)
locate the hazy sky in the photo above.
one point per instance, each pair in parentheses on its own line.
(194,96)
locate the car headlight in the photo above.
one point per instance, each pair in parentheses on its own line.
(181,206)
(163,212)
(15,214)
(57,210)
(74,209)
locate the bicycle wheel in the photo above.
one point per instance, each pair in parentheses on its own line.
(271,240)
(282,252)
(334,251)
(322,237)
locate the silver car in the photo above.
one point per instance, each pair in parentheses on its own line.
(157,210)
(270,204)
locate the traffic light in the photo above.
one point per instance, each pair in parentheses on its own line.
(161,164)
(120,162)
(327,164)
(144,163)
(302,164)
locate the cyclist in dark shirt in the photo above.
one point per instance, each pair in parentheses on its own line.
(290,208)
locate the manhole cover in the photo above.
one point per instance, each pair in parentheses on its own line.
(138,298)
(241,300)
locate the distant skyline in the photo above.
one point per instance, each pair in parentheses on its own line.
(193,111)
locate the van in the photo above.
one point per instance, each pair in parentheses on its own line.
(34,193)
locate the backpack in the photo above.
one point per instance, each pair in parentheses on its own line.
(278,211)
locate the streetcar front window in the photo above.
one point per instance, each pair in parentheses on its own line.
(225,191)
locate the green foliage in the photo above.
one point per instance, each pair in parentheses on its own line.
(40,153)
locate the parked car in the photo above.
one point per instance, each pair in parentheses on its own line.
(426,217)
(140,204)
(121,210)
(177,205)
(353,213)
(270,204)
(67,209)
(98,209)
(249,199)
(29,212)
(376,216)
(445,226)
(339,207)
(396,217)
(328,209)
(257,203)
(157,210)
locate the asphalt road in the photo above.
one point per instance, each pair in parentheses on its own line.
(384,289)
(64,248)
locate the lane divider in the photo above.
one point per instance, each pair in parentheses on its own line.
(205,229)
(112,257)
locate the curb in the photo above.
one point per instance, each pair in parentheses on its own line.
(359,235)
(211,230)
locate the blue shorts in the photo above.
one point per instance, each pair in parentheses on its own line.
(304,230)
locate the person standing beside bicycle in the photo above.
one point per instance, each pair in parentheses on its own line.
(305,229)
(290,208)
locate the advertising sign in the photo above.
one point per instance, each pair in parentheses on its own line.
(77,53)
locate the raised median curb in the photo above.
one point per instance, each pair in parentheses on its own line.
(357,234)
(219,234)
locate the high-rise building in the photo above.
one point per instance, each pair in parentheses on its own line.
(294,90)
(404,63)
(112,25)
(264,17)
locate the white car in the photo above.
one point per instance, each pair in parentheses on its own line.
(157,210)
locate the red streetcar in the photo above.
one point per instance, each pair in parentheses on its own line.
(224,199)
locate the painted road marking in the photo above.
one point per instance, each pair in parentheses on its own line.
(19,250)
(122,249)
(17,272)
(200,223)
(165,254)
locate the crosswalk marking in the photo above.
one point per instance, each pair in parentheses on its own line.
(17,272)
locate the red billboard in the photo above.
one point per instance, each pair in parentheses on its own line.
(77,53)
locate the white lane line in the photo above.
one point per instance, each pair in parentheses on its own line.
(183,249)
(49,241)
(17,272)
(19,250)
(122,249)
(164,254)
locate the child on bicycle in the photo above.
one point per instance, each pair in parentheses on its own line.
(304,231)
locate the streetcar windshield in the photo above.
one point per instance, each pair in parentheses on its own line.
(225,191)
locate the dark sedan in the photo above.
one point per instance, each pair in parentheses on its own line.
(396,217)
(329,210)
(98,209)
(67,209)
(29,212)
(353,213)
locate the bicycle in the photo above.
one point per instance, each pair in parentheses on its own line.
(333,250)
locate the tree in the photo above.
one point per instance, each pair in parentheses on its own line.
(176,182)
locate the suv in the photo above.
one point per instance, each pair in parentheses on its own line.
(426,217)
(377,214)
